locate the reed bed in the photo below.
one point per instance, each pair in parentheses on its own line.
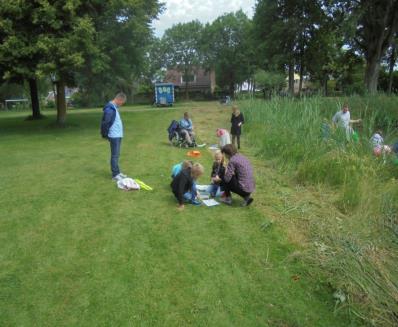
(356,253)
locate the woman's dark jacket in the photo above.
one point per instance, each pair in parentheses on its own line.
(217,169)
(235,120)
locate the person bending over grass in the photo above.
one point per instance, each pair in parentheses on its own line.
(238,176)
(223,136)
(182,185)
(178,168)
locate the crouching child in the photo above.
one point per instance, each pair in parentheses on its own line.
(217,174)
(183,185)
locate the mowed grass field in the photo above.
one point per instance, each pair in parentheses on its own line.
(76,251)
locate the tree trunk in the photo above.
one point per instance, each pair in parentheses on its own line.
(325,85)
(301,72)
(34,99)
(186,90)
(61,103)
(391,68)
(54,92)
(372,74)
(301,78)
(232,89)
(291,78)
(132,93)
(381,21)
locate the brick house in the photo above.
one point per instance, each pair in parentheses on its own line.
(200,81)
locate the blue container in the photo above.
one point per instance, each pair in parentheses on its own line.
(164,94)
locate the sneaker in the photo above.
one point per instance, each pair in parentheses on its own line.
(247,202)
(117,178)
(226,200)
(196,202)
(122,175)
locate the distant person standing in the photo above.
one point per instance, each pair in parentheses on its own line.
(237,120)
(342,119)
(112,129)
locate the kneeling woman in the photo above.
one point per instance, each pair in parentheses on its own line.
(183,185)
(238,176)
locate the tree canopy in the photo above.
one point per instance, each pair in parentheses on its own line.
(105,46)
(85,43)
(227,48)
(181,49)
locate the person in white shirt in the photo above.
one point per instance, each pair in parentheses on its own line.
(224,137)
(342,119)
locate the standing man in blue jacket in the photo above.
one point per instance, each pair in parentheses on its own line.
(112,129)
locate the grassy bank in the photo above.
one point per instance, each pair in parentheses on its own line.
(354,241)
(76,251)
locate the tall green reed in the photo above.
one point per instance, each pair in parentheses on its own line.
(296,135)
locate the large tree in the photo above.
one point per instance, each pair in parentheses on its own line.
(284,30)
(370,26)
(65,37)
(392,55)
(68,40)
(181,49)
(275,38)
(20,52)
(376,28)
(123,38)
(324,51)
(227,46)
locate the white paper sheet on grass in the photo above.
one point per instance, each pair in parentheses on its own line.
(210,202)
(213,147)
(202,188)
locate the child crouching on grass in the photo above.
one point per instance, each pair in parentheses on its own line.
(180,166)
(217,173)
(183,184)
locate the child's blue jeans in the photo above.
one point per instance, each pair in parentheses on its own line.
(214,190)
(191,196)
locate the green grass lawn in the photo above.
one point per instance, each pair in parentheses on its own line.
(76,251)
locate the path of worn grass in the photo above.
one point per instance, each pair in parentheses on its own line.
(76,251)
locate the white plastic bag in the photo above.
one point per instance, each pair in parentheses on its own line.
(128,184)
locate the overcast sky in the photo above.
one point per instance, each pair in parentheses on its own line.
(182,11)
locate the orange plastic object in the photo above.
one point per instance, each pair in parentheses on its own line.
(194,154)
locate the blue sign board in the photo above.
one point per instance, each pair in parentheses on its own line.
(164,94)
